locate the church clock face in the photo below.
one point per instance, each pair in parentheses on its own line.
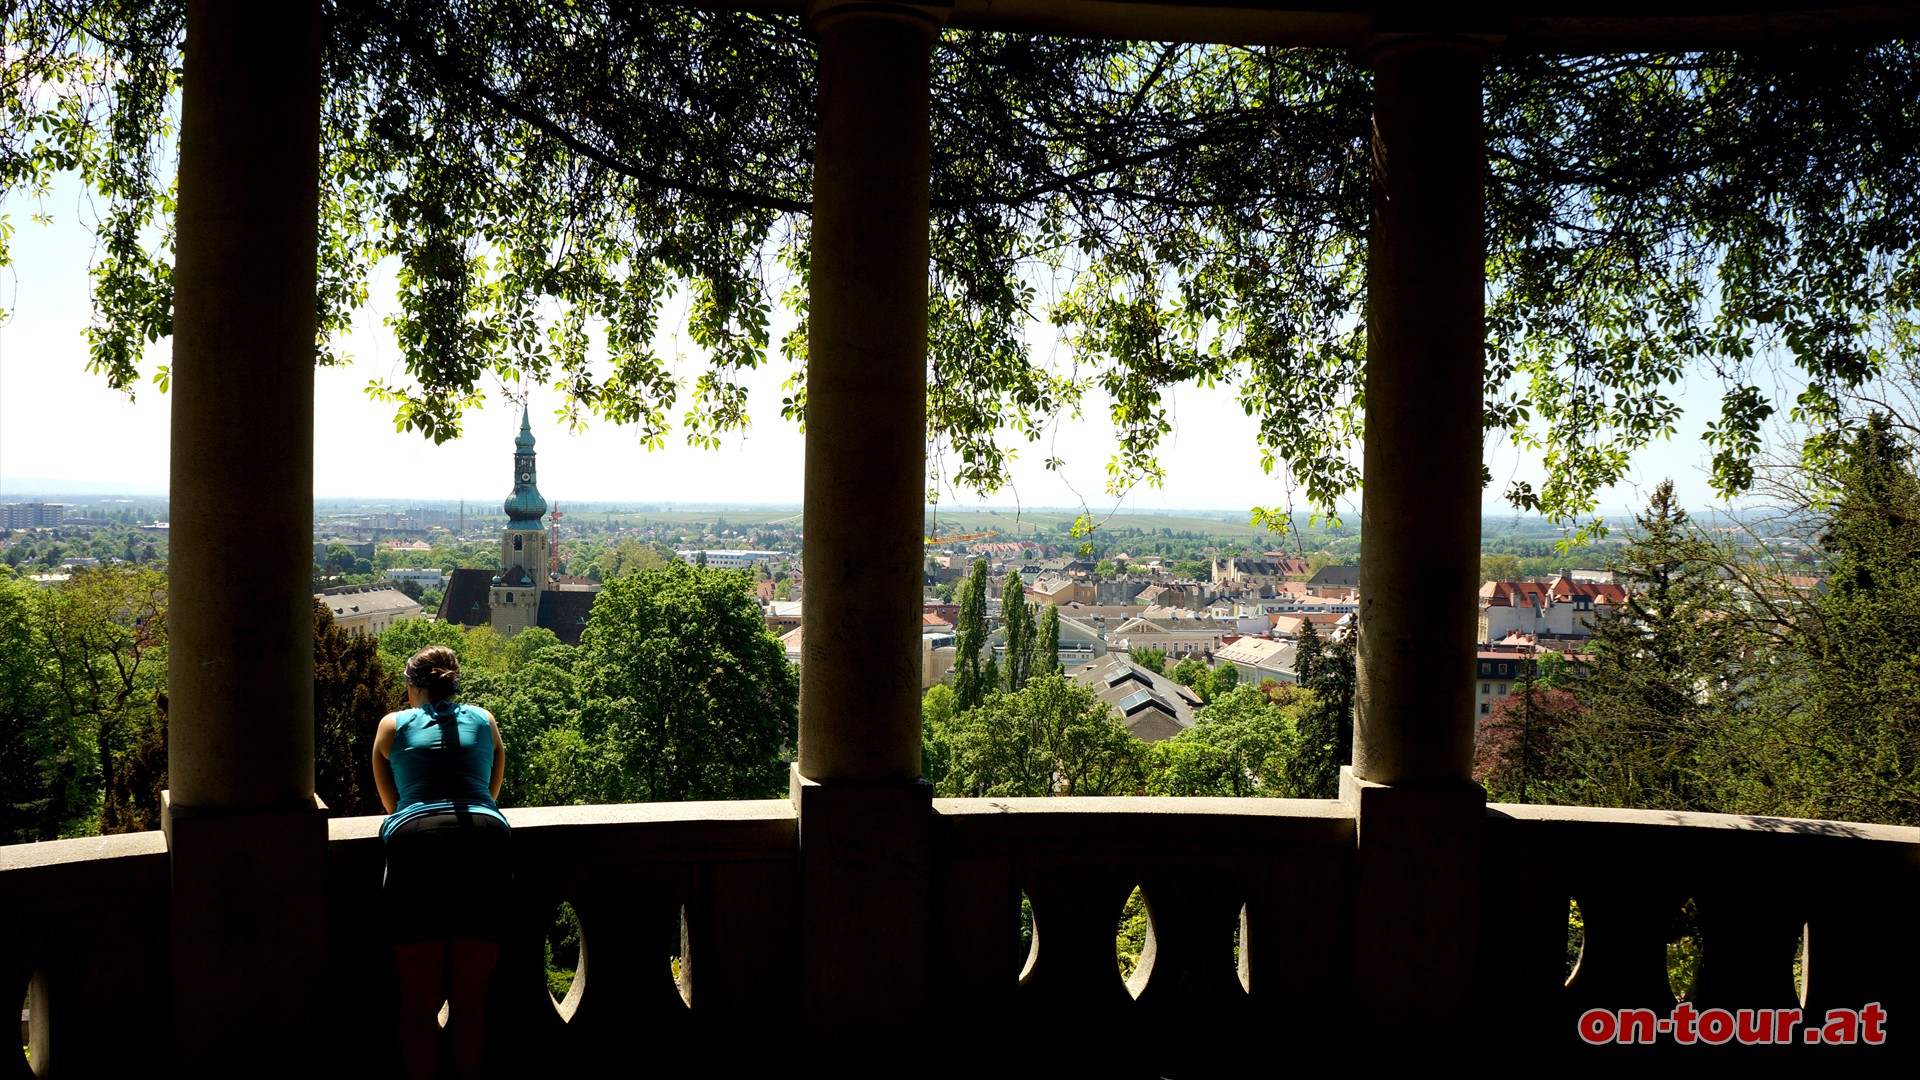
(525,476)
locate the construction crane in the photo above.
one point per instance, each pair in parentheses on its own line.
(933,526)
(960,538)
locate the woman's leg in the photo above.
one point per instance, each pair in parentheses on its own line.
(421,967)
(467,1004)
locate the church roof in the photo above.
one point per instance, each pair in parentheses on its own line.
(565,613)
(468,599)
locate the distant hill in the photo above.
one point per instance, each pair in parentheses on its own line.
(1051,524)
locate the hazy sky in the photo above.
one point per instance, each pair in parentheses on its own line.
(59,422)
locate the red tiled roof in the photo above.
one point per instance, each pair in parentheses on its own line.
(1597,591)
(1547,593)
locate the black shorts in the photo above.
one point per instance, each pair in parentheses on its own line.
(449,875)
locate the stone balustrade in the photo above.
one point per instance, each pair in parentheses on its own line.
(1227,883)
(84,923)
(711,884)
(1767,893)
(84,939)
(1250,903)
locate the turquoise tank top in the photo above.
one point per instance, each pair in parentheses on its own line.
(442,761)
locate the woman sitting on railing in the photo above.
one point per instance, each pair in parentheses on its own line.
(438,766)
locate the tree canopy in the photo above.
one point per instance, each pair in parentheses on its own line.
(352,689)
(1846,741)
(1330,671)
(82,703)
(683,689)
(1661,668)
(974,675)
(1051,737)
(1017,624)
(544,178)
(1242,745)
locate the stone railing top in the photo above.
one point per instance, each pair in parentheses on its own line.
(94,874)
(1142,826)
(84,849)
(617,814)
(1737,823)
(1076,815)
(1326,809)
(652,813)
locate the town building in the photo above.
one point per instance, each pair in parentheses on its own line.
(1499,669)
(1177,641)
(360,549)
(1238,571)
(1335,583)
(782,616)
(794,642)
(1058,589)
(1324,623)
(1284,603)
(1259,659)
(368,609)
(1560,607)
(1151,707)
(939,649)
(1191,595)
(1495,672)
(714,559)
(1080,643)
(31,515)
(1294,567)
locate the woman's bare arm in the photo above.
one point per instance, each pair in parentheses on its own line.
(383,763)
(499,758)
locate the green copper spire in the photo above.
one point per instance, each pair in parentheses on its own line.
(524,507)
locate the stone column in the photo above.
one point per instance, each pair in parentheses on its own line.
(247,844)
(864,811)
(1426,283)
(1420,814)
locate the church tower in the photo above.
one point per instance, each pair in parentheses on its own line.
(516,592)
